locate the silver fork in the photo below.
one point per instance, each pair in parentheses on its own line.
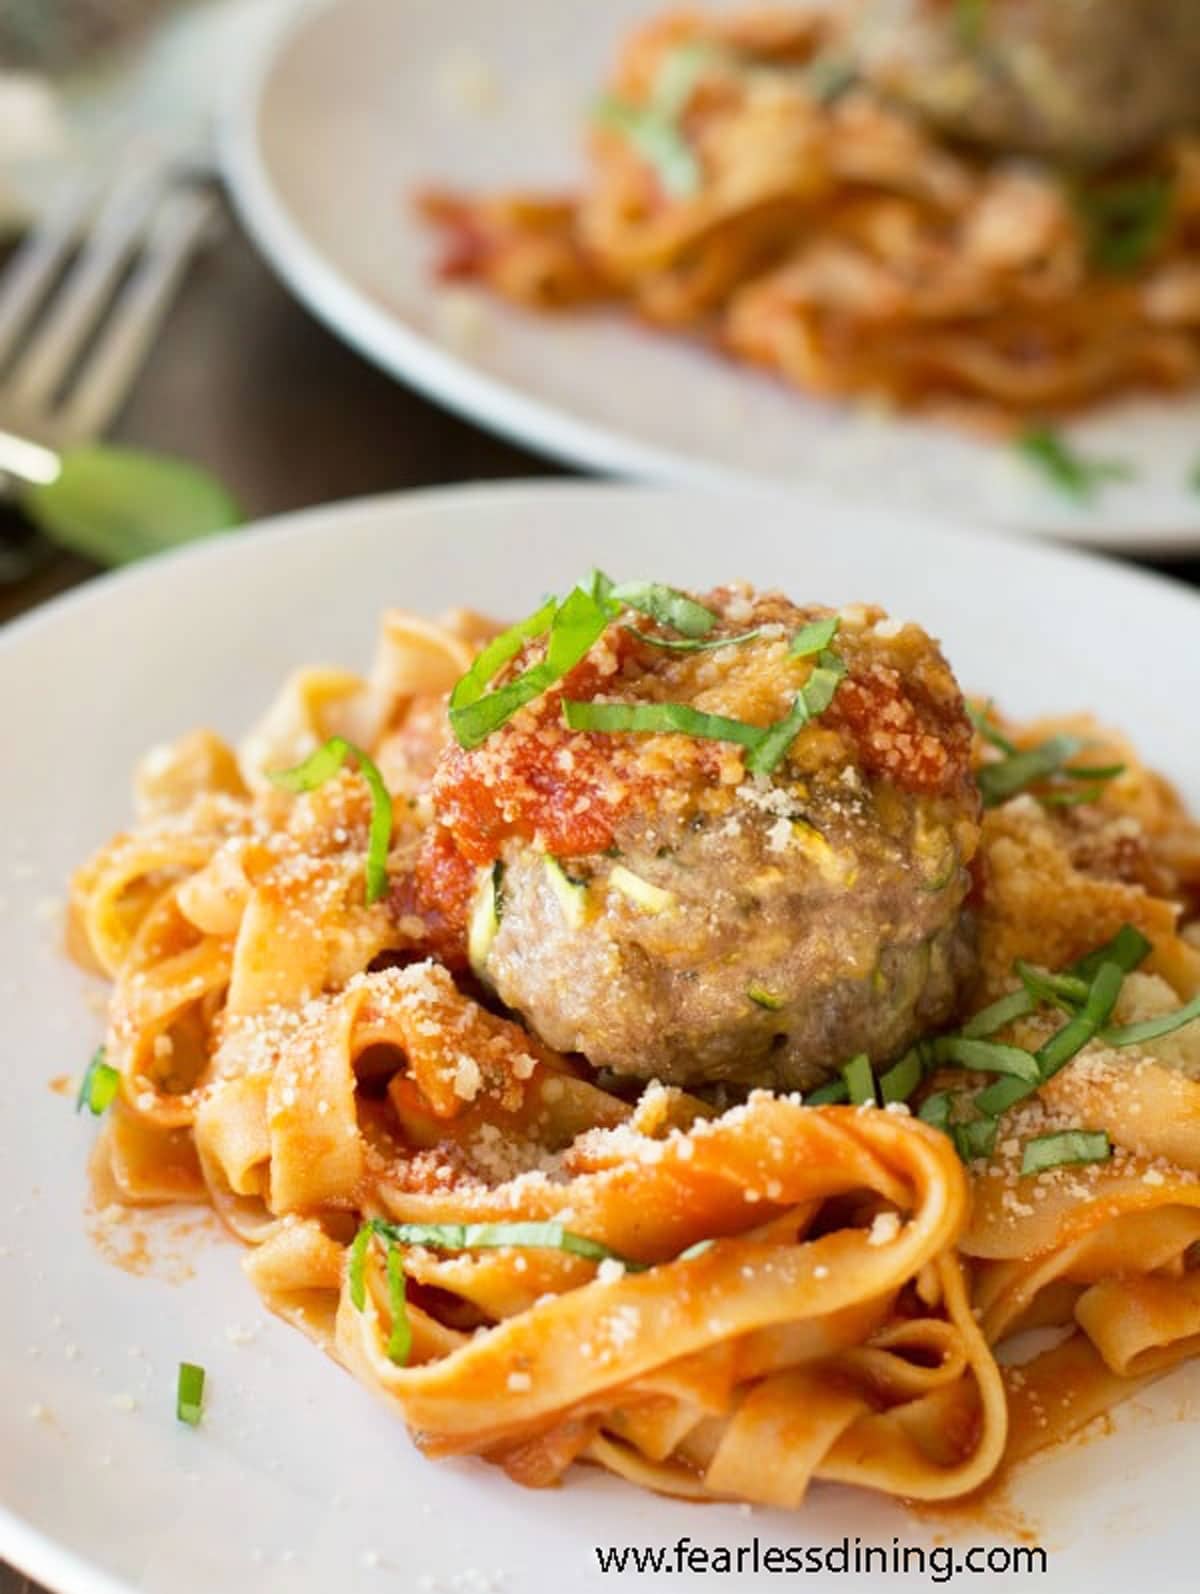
(80,304)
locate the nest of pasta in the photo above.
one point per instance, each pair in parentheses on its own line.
(745,185)
(711,1295)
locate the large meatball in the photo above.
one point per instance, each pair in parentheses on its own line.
(646,900)
(1082,80)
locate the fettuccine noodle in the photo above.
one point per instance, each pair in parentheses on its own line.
(745,186)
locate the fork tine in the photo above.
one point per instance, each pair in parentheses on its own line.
(109,370)
(37,262)
(75,309)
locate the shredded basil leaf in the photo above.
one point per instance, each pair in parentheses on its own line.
(653,718)
(480,1236)
(1150,1029)
(982,720)
(828,77)
(975,1138)
(999,1014)
(1066,1147)
(989,1056)
(321,766)
(1003,779)
(653,129)
(1065,468)
(833,1090)
(899,1081)
(189,1394)
(935,1110)
(1057,990)
(692,644)
(814,637)
(813,698)
(399,1345)
(1064,1044)
(500,651)
(358,1262)
(1125,220)
(860,1081)
(99,1086)
(667,605)
(577,622)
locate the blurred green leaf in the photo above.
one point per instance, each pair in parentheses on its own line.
(115,505)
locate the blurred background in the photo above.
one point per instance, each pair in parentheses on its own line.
(240,380)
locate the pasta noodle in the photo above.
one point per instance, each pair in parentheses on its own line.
(709,1300)
(746,186)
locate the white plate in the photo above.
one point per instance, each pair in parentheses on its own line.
(363,101)
(296,1480)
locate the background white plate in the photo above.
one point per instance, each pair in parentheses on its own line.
(364,101)
(297,1480)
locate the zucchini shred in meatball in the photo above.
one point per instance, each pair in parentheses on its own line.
(716,902)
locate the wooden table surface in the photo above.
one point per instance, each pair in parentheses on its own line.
(247,384)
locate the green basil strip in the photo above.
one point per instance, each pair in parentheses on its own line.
(1006,777)
(1150,1029)
(658,141)
(652,718)
(680,70)
(826,1095)
(935,1110)
(99,1086)
(1068,471)
(1065,1043)
(578,622)
(500,651)
(653,129)
(899,1081)
(989,1056)
(982,720)
(1067,1147)
(482,1236)
(1125,220)
(189,1394)
(399,1345)
(976,1138)
(772,744)
(319,767)
(999,1014)
(860,1081)
(1094,771)
(357,1269)
(667,605)
(1058,990)
(814,637)
(813,698)
(1128,949)
(693,644)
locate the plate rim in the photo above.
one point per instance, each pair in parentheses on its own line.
(420,363)
(498,491)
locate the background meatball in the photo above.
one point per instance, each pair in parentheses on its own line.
(1085,80)
(672,916)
